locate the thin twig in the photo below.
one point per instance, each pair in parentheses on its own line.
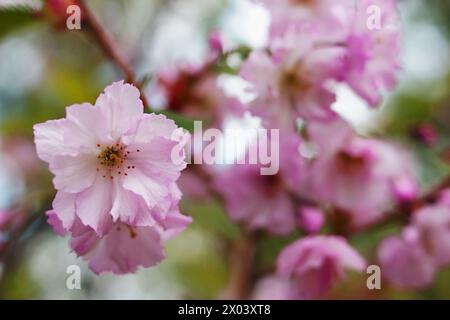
(109,47)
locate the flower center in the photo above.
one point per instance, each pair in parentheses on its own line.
(112,160)
(350,163)
(110,156)
(292,82)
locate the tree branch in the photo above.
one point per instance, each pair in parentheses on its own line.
(241,261)
(109,47)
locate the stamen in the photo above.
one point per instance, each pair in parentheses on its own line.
(133,233)
(113,158)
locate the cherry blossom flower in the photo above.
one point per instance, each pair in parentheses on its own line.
(314,263)
(404,261)
(264,201)
(109,160)
(368,34)
(293,81)
(372,50)
(113,166)
(361,177)
(433,224)
(413,258)
(305,15)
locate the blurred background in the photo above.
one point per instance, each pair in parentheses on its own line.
(45,67)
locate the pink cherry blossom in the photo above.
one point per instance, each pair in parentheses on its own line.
(304,15)
(404,262)
(109,160)
(368,34)
(314,263)
(293,81)
(413,258)
(433,225)
(113,168)
(362,177)
(264,201)
(260,201)
(373,51)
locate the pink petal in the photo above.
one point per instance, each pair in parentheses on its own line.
(121,106)
(49,139)
(64,208)
(73,173)
(94,205)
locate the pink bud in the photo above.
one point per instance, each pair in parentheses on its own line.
(311,219)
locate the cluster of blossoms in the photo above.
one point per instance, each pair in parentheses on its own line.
(326,168)
(116,180)
(314,46)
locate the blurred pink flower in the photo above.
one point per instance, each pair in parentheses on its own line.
(361,177)
(311,219)
(404,261)
(327,16)
(373,51)
(293,81)
(313,265)
(413,258)
(433,225)
(368,35)
(264,201)
(260,201)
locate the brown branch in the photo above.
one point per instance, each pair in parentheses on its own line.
(109,47)
(241,260)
